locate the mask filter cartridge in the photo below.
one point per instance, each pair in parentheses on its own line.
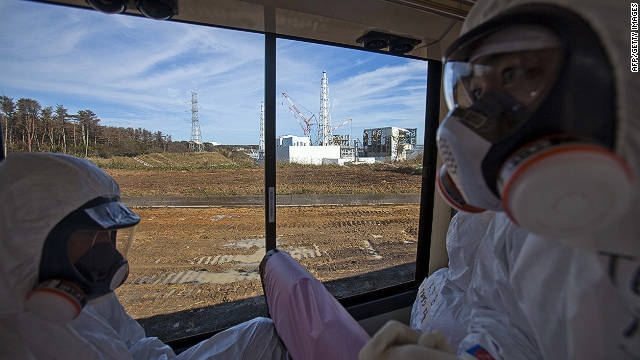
(564,188)
(57,301)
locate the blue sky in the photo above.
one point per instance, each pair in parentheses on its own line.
(137,72)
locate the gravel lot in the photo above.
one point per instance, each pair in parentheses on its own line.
(195,269)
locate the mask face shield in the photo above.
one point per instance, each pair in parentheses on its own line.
(526,76)
(124,240)
(492,83)
(498,75)
(81,241)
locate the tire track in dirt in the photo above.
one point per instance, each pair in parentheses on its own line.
(184,260)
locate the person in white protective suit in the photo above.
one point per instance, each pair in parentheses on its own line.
(63,242)
(542,157)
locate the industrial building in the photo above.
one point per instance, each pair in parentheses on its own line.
(292,140)
(388,143)
(378,145)
(298,149)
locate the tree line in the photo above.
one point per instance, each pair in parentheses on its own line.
(27,126)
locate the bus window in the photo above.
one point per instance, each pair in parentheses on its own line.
(350,127)
(172,112)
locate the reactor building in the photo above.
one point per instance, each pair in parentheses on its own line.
(388,143)
(378,144)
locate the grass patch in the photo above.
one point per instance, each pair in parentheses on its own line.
(177,161)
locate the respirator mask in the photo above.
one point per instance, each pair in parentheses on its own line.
(83,259)
(531,124)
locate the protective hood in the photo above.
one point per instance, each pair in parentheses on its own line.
(38,190)
(562,298)
(610,20)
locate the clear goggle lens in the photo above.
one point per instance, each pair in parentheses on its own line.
(81,241)
(521,61)
(527,77)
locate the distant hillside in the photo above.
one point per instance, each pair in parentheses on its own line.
(28,126)
(223,159)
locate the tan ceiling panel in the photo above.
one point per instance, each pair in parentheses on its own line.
(344,21)
(231,13)
(380,14)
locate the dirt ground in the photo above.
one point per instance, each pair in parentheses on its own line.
(196,269)
(247,181)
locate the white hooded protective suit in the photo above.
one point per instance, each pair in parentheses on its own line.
(39,190)
(523,296)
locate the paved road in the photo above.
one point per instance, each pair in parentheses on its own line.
(281,200)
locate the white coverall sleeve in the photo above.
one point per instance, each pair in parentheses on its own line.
(441,301)
(496,322)
(109,328)
(575,300)
(253,339)
(440,306)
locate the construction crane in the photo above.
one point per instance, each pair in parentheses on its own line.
(305,124)
(341,124)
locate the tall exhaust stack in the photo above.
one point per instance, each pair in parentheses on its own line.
(324,126)
(261,143)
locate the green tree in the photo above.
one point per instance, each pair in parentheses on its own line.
(28,111)
(61,122)
(8,109)
(46,119)
(88,121)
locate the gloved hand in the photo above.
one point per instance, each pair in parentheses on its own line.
(398,341)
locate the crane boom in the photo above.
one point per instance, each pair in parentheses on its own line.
(306,128)
(341,124)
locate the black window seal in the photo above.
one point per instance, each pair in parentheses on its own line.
(270,140)
(429,171)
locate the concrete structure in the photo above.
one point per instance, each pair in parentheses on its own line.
(388,142)
(351,161)
(416,153)
(365,160)
(347,153)
(298,149)
(342,140)
(292,140)
(315,155)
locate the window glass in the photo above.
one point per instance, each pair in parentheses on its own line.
(123,92)
(350,127)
